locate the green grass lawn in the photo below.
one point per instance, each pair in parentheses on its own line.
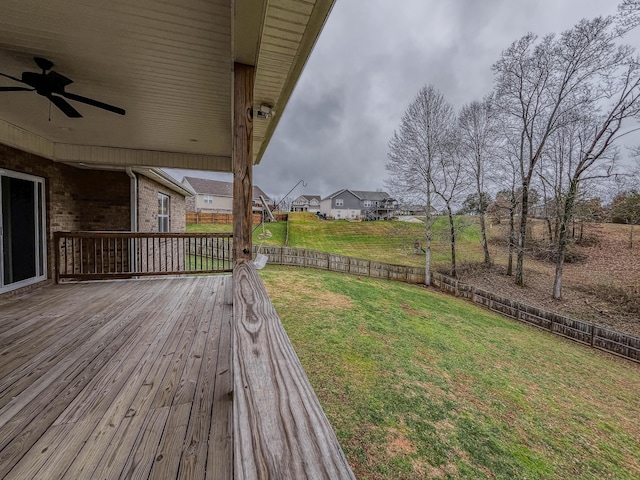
(421,385)
(384,241)
(266,234)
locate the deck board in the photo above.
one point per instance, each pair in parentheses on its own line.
(122,379)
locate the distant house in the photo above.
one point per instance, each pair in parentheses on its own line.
(306,203)
(414,209)
(216,196)
(352,204)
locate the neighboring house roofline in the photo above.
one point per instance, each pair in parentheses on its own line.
(218,188)
(373,195)
(341,191)
(307,198)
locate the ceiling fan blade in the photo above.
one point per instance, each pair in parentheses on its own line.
(15,89)
(12,78)
(63,105)
(93,103)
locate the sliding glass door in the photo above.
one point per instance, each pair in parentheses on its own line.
(22,230)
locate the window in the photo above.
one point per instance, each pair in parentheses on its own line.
(163,212)
(368,203)
(339,202)
(208,199)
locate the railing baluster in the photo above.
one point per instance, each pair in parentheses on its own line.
(166,249)
(66,260)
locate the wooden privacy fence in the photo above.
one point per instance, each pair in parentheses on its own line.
(587,333)
(227,218)
(108,255)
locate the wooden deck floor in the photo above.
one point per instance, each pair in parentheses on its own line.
(123,379)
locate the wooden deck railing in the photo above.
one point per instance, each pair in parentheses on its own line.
(280,430)
(109,255)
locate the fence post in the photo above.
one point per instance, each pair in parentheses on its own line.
(593,333)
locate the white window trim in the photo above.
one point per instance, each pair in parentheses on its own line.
(162,197)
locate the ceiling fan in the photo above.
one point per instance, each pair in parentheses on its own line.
(52,86)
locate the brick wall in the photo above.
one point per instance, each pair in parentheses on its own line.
(148,206)
(75,199)
(190,204)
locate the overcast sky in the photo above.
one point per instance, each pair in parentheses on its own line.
(369,63)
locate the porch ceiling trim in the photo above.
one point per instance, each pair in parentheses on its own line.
(22,139)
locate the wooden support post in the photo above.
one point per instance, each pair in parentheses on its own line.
(243,77)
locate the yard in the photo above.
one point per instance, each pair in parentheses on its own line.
(421,385)
(602,284)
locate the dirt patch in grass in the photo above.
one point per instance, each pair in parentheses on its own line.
(320,298)
(399,444)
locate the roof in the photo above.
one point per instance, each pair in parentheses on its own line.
(308,198)
(218,188)
(362,194)
(168,64)
(335,194)
(367,195)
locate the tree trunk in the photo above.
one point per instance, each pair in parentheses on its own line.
(549,229)
(485,245)
(427,260)
(562,237)
(557,282)
(512,239)
(452,236)
(524,212)
(581,232)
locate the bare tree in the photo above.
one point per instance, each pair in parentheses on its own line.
(478,140)
(542,85)
(587,147)
(414,149)
(628,16)
(448,181)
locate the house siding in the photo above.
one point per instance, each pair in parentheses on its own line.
(219,205)
(350,207)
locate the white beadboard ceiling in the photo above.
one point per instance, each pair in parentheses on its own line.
(169,64)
